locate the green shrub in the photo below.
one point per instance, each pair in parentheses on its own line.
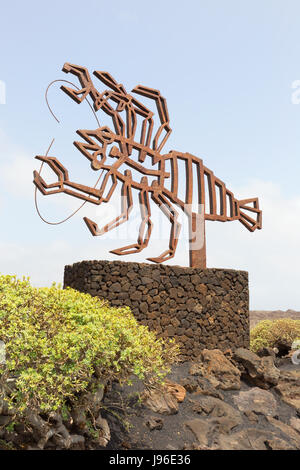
(267,332)
(57,341)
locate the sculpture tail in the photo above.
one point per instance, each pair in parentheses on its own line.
(249,214)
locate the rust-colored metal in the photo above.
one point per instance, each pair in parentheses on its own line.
(219,205)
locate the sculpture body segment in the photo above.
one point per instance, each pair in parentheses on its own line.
(155,183)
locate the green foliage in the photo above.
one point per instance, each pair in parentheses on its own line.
(267,332)
(6,445)
(57,341)
(10,427)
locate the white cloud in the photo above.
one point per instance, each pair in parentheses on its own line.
(40,262)
(16,168)
(17,175)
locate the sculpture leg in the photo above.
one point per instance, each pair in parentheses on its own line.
(143,238)
(167,208)
(126,202)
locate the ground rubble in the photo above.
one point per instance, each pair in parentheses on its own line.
(222,401)
(232,401)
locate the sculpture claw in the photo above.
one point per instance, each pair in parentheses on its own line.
(59,170)
(45,188)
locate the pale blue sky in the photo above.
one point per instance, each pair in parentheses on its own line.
(226,69)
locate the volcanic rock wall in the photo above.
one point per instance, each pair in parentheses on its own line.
(200,308)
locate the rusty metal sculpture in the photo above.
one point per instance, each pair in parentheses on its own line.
(221,204)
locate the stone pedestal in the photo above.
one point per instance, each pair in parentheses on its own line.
(200,308)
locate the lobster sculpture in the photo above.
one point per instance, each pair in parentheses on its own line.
(219,205)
